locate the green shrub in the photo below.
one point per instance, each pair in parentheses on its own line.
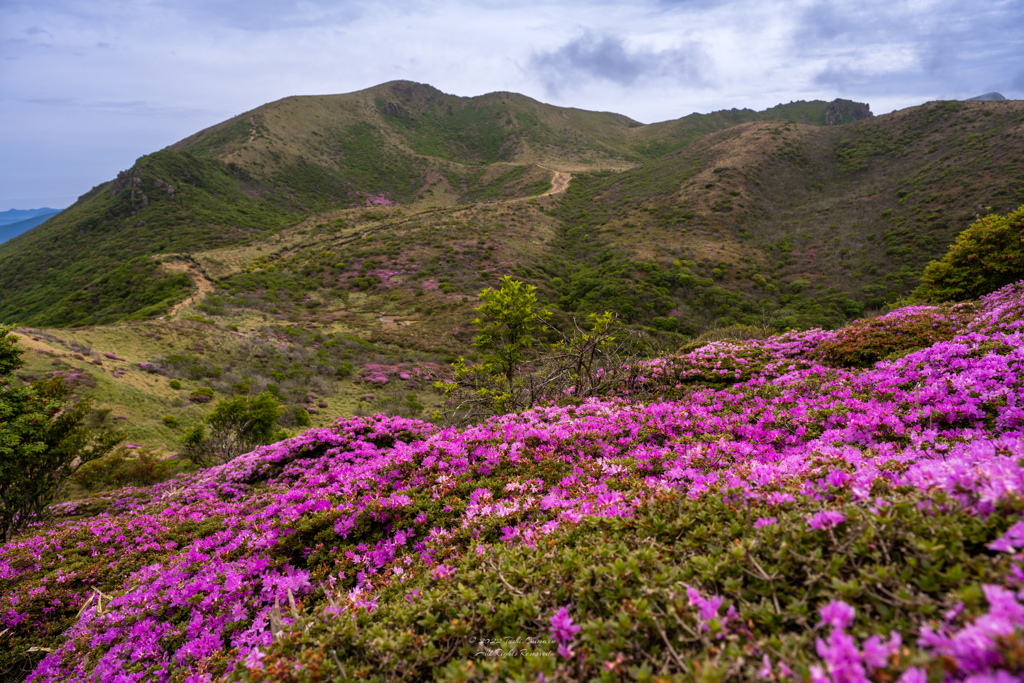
(301,417)
(201,395)
(237,425)
(986,256)
(171,421)
(123,468)
(44,440)
(175,384)
(668,324)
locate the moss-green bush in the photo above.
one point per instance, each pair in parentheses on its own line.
(987,255)
(865,342)
(123,468)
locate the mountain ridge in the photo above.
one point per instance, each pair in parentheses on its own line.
(14,221)
(264,169)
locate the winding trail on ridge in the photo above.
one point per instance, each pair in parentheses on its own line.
(559,183)
(199,278)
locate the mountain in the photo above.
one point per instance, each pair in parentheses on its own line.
(13,229)
(18,215)
(333,253)
(246,179)
(13,222)
(988,97)
(330,251)
(805,214)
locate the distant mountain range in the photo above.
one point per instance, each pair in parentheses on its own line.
(13,222)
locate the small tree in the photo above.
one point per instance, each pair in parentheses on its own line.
(986,256)
(237,425)
(508,324)
(519,371)
(44,439)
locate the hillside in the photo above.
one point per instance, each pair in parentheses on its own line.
(766,511)
(243,181)
(208,272)
(816,223)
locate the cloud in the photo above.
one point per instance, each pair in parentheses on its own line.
(37,30)
(839,76)
(823,22)
(938,48)
(272,15)
(592,57)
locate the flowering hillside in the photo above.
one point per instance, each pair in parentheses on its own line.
(788,510)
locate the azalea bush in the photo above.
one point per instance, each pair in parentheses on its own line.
(865,342)
(768,517)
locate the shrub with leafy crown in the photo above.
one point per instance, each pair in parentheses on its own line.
(988,255)
(44,439)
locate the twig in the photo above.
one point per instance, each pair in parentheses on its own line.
(334,656)
(672,651)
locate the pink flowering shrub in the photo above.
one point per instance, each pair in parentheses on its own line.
(778,518)
(866,342)
(379,200)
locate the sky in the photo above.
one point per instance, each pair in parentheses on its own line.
(88,86)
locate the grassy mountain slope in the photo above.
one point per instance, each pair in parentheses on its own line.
(91,263)
(766,224)
(814,224)
(401,143)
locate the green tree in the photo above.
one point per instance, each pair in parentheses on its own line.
(44,439)
(986,256)
(237,425)
(509,322)
(519,370)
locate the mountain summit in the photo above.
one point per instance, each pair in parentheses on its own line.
(988,97)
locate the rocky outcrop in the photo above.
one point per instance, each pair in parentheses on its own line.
(160,183)
(396,110)
(130,178)
(839,112)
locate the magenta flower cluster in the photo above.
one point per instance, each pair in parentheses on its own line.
(563,631)
(207,560)
(379,200)
(413,374)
